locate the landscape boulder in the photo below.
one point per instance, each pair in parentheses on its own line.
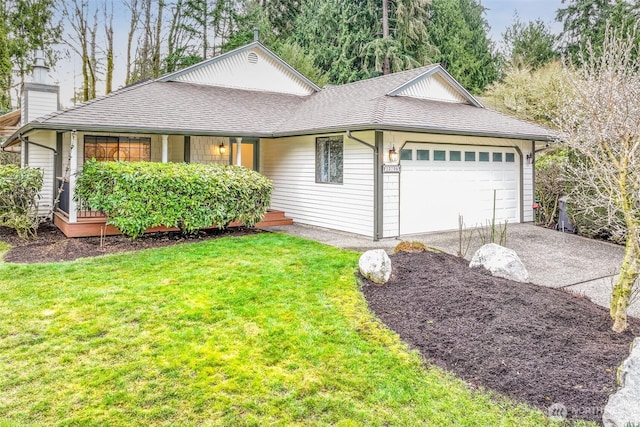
(501,262)
(623,407)
(375,265)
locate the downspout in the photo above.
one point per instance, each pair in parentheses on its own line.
(377,182)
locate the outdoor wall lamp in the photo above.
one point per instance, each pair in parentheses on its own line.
(222,149)
(393,155)
(530,158)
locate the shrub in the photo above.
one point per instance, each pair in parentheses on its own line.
(137,196)
(19,189)
(591,220)
(550,185)
(410,246)
(9,158)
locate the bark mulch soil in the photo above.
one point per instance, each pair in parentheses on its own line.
(535,344)
(52,246)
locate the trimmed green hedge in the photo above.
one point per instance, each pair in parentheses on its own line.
(19,189)
(140,195)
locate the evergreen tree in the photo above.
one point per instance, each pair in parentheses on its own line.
(530,45)
(28,25)
(459,31)
(5,68)
(585,22)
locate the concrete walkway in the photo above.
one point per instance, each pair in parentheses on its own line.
(554,259)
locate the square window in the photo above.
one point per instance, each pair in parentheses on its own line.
(509,157)
(483,156)
(454,156)
(422,154)
(329,158)
(469,156)
(497,157)
(439,155)
(406,154)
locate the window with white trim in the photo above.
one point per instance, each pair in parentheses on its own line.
(329,159)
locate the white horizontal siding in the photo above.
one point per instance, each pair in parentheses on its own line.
(528,184)
(391,205)
(42,159)
(40,104)
(290,164)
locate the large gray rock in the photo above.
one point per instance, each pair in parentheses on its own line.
(375,265)
(501,262)
(623,407)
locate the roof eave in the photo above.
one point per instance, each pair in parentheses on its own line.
(13,139)
(418,129)
(321,130)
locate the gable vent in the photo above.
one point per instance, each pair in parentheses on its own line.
(252,57)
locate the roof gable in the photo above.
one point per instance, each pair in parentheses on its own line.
(436,84)
(251,67)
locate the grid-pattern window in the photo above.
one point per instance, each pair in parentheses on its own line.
(422,154)
(406,154)
(469,156)
(439,155)
(329,159)
(117,148)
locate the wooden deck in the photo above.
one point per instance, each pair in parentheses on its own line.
(95,225)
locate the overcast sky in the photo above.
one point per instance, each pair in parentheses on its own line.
(499,14)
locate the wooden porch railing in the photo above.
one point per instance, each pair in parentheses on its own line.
(63,203)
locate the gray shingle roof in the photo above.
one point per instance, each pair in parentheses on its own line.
(174,107)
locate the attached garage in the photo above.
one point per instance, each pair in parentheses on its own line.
(439,182)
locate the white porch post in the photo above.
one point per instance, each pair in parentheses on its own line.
(239,151)
(73,170)
(165,148)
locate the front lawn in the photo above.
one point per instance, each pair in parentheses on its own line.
(263,329)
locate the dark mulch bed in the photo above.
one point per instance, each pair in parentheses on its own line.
(51,245)
(534,344)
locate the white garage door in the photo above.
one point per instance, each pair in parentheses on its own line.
(439,182)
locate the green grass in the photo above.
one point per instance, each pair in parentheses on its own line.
(4,248)
(258,330)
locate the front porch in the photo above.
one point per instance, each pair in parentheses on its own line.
(93,224)
(75,220)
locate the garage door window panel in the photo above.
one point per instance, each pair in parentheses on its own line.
(454,156)
(509,158)
(439,155)
(497,157)
(469,156)
(483,156)
(329,160)
(406,154)
(422,154)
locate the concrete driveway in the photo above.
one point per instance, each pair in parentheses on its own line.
(554,259)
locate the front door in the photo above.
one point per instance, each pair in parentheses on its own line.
(248,153)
